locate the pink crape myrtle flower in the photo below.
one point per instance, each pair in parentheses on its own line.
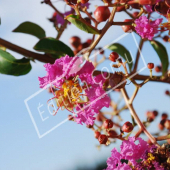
(146,28)
(130,151)
(114,162)
(71,83)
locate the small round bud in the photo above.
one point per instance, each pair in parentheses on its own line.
(165,38)
(127,28)
(167,124)
(167,92)
(127,127)
(155,112)
(89,126)
(102,139)
(107,124)
(70,117)
(150,65)
(102,13)
(75,42)
(164,116)
(113,56)
(158,69)
(111,134)
(97,134)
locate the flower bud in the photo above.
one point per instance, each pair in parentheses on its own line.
(155,112)
(111,134)
(150,65)
(164,116)
(127,127)
(101,13)
(75,42)
(113,56)
(102,139)
(127,28)
(158,69)
(97,134)
(167,92)
(107,124)
(165,38)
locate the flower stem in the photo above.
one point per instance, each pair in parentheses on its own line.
(134,114)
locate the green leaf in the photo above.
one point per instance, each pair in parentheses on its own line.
(11,66)
(122,51)
(162,53)
(81,24)
(53,46)
(31,28)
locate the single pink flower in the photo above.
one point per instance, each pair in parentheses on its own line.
(147,28)
(71,83)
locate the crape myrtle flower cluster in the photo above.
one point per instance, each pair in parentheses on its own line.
(70,94)
(77,89)
(137,156)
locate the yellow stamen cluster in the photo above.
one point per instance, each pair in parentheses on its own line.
(69,95)
(150,157)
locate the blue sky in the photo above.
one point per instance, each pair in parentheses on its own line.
(70,145)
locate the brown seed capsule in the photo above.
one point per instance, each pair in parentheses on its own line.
(102,139)
(107,124)
(97,134)
(127,127)
(150,65)
(111,134)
